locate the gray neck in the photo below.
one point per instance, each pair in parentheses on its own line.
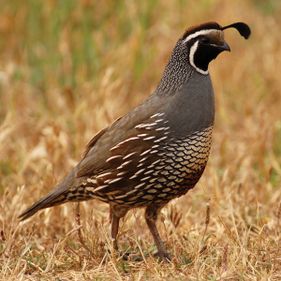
(192,108)
(187,95)
(177,71)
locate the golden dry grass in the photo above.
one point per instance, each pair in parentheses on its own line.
(68,69)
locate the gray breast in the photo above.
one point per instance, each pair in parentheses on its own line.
(192,108)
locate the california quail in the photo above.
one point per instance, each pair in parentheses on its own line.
(159,150)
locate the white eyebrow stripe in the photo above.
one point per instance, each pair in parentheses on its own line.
(198,33)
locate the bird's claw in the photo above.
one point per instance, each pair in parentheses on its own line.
(163,256)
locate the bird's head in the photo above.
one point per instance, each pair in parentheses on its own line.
(206,41)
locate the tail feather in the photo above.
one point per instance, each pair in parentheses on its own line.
(55,197)
(50,200)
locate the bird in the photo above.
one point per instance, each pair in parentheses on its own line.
(158,150)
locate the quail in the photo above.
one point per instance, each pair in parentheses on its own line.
(159,150)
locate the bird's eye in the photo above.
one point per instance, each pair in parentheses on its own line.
(205,40)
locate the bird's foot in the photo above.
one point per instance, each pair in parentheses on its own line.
(127,255)
(134,257)
(163,256)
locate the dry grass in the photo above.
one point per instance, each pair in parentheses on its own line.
(69,68)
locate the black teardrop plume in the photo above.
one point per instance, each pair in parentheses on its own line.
(242,28)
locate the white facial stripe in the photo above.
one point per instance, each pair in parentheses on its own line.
(198,33)
(192,51)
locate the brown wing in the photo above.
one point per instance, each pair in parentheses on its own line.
(113,161)
(99,148)
(93,141)
(130,164)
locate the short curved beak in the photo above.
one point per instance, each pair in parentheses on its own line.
(224,47)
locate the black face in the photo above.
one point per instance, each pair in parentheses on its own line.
(207,50)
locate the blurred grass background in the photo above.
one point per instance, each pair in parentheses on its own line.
(69,68)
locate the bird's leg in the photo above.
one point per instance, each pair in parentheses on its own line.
(114,230)
(116,213)
(151,213)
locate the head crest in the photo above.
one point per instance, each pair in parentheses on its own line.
(241,27)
